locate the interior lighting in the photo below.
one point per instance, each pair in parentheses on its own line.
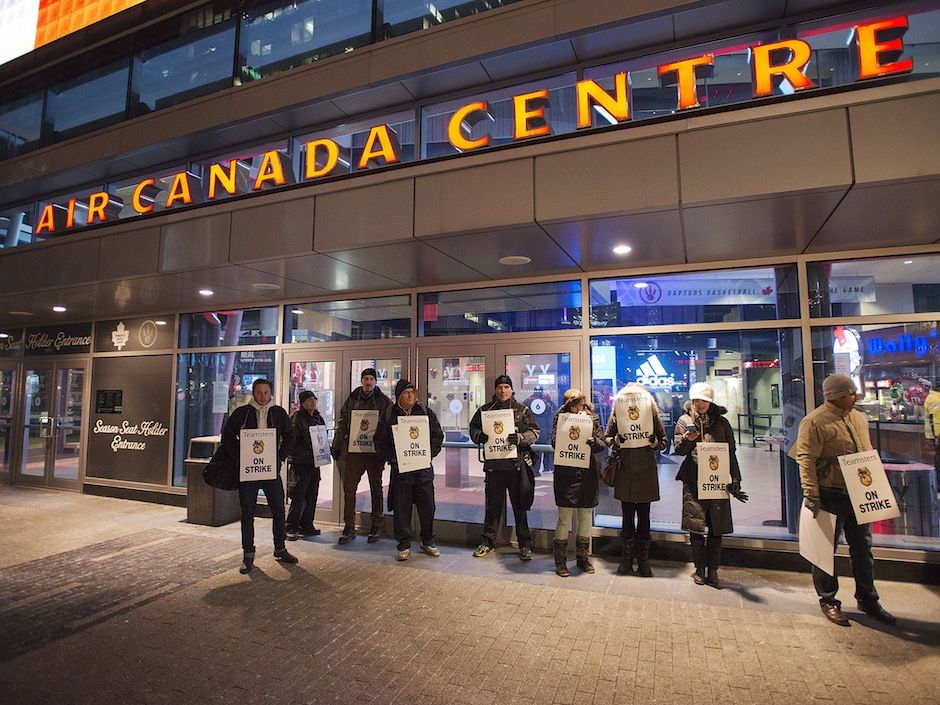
(908,261)
(265,286)
(515,260)
(160,323)
(59,309)
(4,335)
(20,313)
(206,292)
(297,311)
(622,249)
(641,285)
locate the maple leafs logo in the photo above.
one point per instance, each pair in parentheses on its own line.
(120,335)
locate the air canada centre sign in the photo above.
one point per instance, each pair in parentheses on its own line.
(877,48)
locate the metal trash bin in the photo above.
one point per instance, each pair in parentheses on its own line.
(915,487)
(204,504)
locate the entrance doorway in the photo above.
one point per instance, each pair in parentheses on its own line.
(47,450)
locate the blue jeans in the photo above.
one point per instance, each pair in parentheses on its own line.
(858,536)
(248,498)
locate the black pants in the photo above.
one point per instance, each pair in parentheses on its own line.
(858,536)
(248,498)
(497,483)
(641,511)
(413,489)
(303,498)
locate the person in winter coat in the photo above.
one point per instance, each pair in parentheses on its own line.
(704,421)
(543,409)
(410,488)
(576,490)
(303,497)
(833,429)
(512,474)
(636,482)
(261,412)
(366,397)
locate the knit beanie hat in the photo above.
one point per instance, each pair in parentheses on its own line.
(402,385)
(838,386)
(367,372)
(305,395)
(503,379)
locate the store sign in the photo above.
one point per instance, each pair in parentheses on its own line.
(852,290)
(692,292)
(651,373)
(903,343)
(877,46)
(134,334)
(58,340)
(11,342)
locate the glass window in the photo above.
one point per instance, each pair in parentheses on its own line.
(156,196)
(353,319)
(184,68)
(865,287)
(761,294)
(561,115)
(757,376)
(508,309)
(897,369)
(212,329)
(250,159)
(88,102)
(277,36)
(16,226)
(403,16)
(79,213)
(20,124)
(209,387)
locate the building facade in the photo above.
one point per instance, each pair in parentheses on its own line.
(576,193)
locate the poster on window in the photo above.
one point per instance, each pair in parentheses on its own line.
(321,446)
(498,424)
(571,440)
(412,436)
(634,419)
(714,470)
(257,454)
(867,483)
(362,424)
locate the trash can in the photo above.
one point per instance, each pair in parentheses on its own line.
(204,504)
(915,487)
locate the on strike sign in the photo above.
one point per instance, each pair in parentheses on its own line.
(867,483)
(258,454)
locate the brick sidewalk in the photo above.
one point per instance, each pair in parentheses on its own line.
(110,601)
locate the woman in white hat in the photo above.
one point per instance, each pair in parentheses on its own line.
(704,421)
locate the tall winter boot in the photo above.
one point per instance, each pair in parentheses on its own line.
(626,561)
(248,562)
(561,557)
(713,559)
(643,558)
(582,545)
(698,557)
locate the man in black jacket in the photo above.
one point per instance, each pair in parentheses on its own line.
(512,474)
(261,412)
(410,488)
(303,496)
(366,397)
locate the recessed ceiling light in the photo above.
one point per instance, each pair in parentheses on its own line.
(206,292)
(160,323)
(20,313)
(908,261)
(4,335)
(297,311)
(59,309)
(641,285)
(622,249)
(265,286)
(515,260)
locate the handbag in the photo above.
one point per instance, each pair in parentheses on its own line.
(609,473)
(221,471)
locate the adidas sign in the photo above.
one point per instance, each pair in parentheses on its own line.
(653,374)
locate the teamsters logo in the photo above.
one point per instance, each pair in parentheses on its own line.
(574,433)
(258,447)
(364,425)
(864,476)
(713,463)
(498,427)
(413,432)
(633,413)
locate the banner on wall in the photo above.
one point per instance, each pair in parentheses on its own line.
(852,290)
(58,340)
(678,291)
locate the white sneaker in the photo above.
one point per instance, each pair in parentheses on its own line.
(403,554)
(431,550)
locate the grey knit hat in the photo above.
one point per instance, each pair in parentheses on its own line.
(838,386)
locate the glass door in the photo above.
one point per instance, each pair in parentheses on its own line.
(8,391)
(52,411)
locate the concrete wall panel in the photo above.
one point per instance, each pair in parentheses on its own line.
(194,244)
(284,228)
(129,254)
(72,262)
(368,215)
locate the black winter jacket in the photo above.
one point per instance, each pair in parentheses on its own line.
(385,442)
(246,417)
(527,427)
(302,453)
(577,487)
(357,401)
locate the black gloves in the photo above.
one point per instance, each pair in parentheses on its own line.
(734,489)
(594,443)
(813,504)
(482,438)
(621,438)
(512,439)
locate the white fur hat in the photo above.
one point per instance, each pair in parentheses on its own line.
(702,390)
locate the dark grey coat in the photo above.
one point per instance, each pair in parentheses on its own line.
(637,477)
(697,514)
(577,487)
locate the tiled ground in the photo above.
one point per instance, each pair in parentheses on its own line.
(110,601)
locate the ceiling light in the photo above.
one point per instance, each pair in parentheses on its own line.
(297,311)
(264,286)
(908,261)
(622,249)
(20,313)
(59,309)
(4,335)
(641,285)
(160,323)
(206,292)
(515,260)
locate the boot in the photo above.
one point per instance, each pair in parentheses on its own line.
(626,562)
(643,558)
(582,545)
(561,556)
(248,562)
(698,558)
(713,559)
